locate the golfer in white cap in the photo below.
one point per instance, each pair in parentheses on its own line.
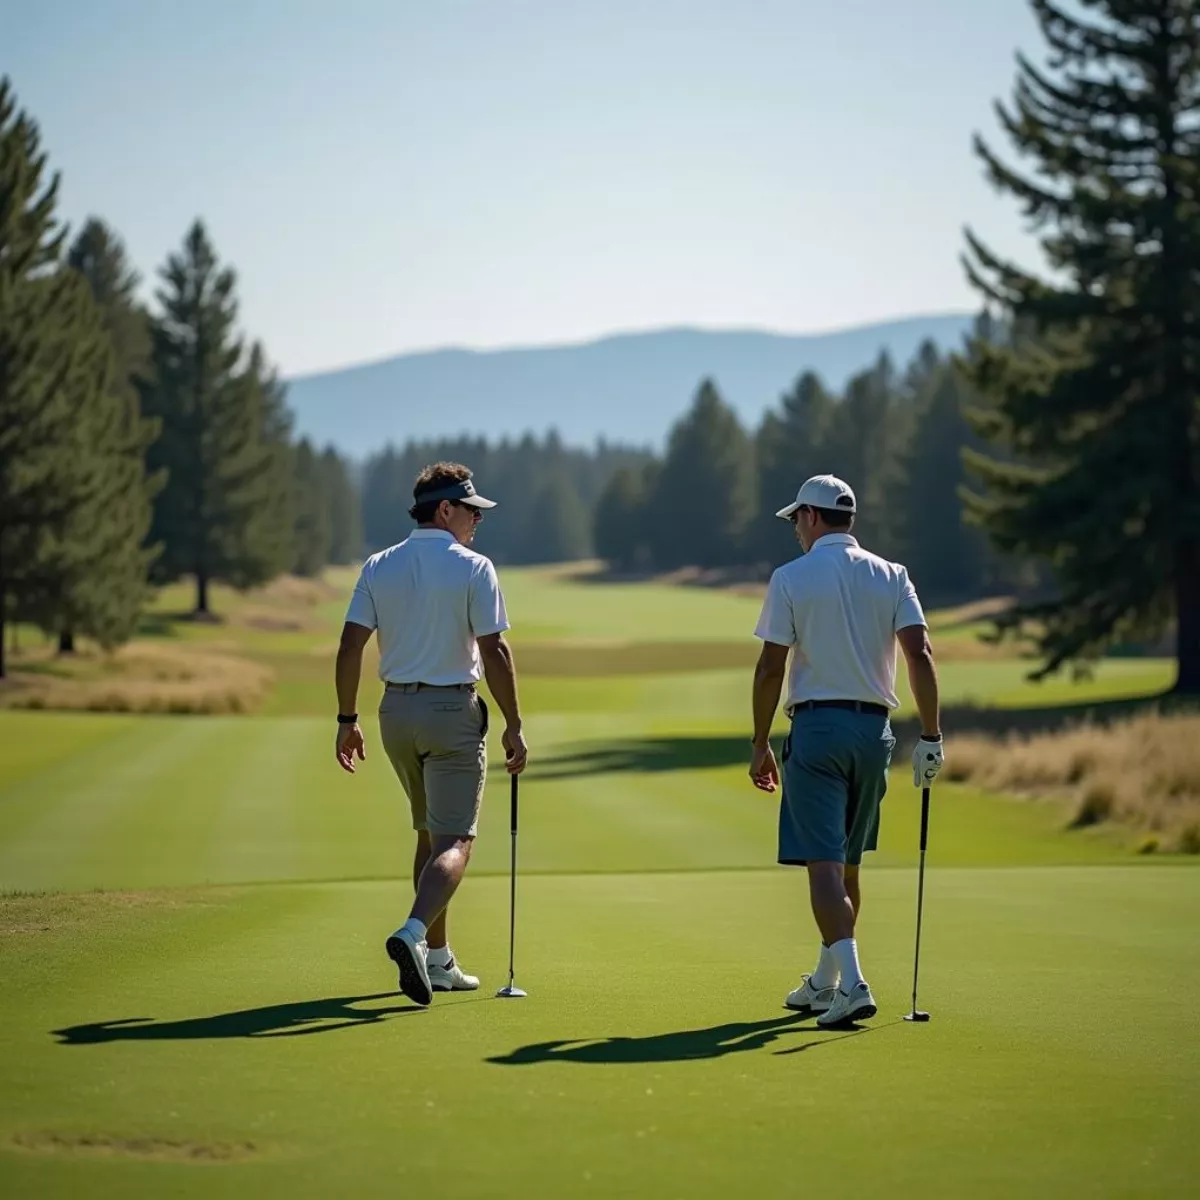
(440,616)
(839,610)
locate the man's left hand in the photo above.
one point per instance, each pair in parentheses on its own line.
(349,743)
(764,771)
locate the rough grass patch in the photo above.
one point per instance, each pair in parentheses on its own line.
(1143,772)
(142,677)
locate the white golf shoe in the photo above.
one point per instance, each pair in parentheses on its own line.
(807,998)
(410,956)
(451,977)
(855,1005)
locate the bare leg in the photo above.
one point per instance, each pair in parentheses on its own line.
(831,904)
(437,879)
(850,878)
(436,937)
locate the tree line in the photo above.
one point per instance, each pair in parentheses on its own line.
(138,445)
(897,437)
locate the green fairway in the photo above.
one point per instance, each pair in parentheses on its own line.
(221,1020)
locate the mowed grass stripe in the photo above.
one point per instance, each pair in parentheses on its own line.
(173,825)
(201,800)
(73,824)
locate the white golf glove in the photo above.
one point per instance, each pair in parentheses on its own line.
(927,761)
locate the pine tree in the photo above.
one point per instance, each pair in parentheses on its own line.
(867,437)
(37,357)
(620,526)
(103,562)
(791,446)
(704,496)
(271,532)
(345,509)
(222,471)
(562,532)
(99,255)
(947,558)
(1095,401)
(313,536)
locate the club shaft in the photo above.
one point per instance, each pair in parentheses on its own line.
(920,890)
(512,895)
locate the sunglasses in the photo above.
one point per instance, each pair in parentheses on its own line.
(476,513)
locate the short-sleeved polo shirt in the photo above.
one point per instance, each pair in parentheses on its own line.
(839,608)
(430,598)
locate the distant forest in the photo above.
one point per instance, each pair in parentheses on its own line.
(896,434)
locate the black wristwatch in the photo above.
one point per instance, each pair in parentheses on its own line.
(347,718)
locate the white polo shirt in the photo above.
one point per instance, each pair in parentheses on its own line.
(430,598)
(839,608)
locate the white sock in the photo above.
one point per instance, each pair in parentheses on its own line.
(845,954)
(416,928)
(826,973)
(440,956)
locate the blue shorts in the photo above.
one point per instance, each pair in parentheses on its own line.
(835,765)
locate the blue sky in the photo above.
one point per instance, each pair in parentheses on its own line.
(389,176)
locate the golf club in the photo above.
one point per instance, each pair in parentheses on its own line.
(512,992)
(917,1014)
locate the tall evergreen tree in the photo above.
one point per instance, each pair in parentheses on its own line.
(948,559)
(37,358)
(791,445)
(561,531)
(866,439)
(345,509)
(222,468)
(104,563)
(620,526)
(1096,401)
(271,533)
(704,496)
(313,537)
(99,255)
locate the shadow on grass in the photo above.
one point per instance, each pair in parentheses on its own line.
(683,1045)
(698,752)
(644,754)
(273,1020)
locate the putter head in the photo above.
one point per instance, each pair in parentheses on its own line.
(511,992)
(917,1015)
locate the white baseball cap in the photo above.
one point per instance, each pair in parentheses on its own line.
(822,491)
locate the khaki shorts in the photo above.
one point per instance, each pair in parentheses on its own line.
(436,739)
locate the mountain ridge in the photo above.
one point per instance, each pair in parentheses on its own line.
(622,386)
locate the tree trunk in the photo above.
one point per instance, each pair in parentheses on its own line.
(66,642)
(202,595)
(1187,603)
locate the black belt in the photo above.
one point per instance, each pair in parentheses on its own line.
(860,706)
(437,687)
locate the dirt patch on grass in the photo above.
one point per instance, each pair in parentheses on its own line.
(28,914)
(1143,772)
(143,677)
(155,1149)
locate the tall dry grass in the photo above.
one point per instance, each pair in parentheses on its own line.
(1143,772)
(142,677)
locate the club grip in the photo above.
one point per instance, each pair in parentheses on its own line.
(924,817)
(513,804)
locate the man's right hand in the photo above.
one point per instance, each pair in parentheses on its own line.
(515,750)
(928,759)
